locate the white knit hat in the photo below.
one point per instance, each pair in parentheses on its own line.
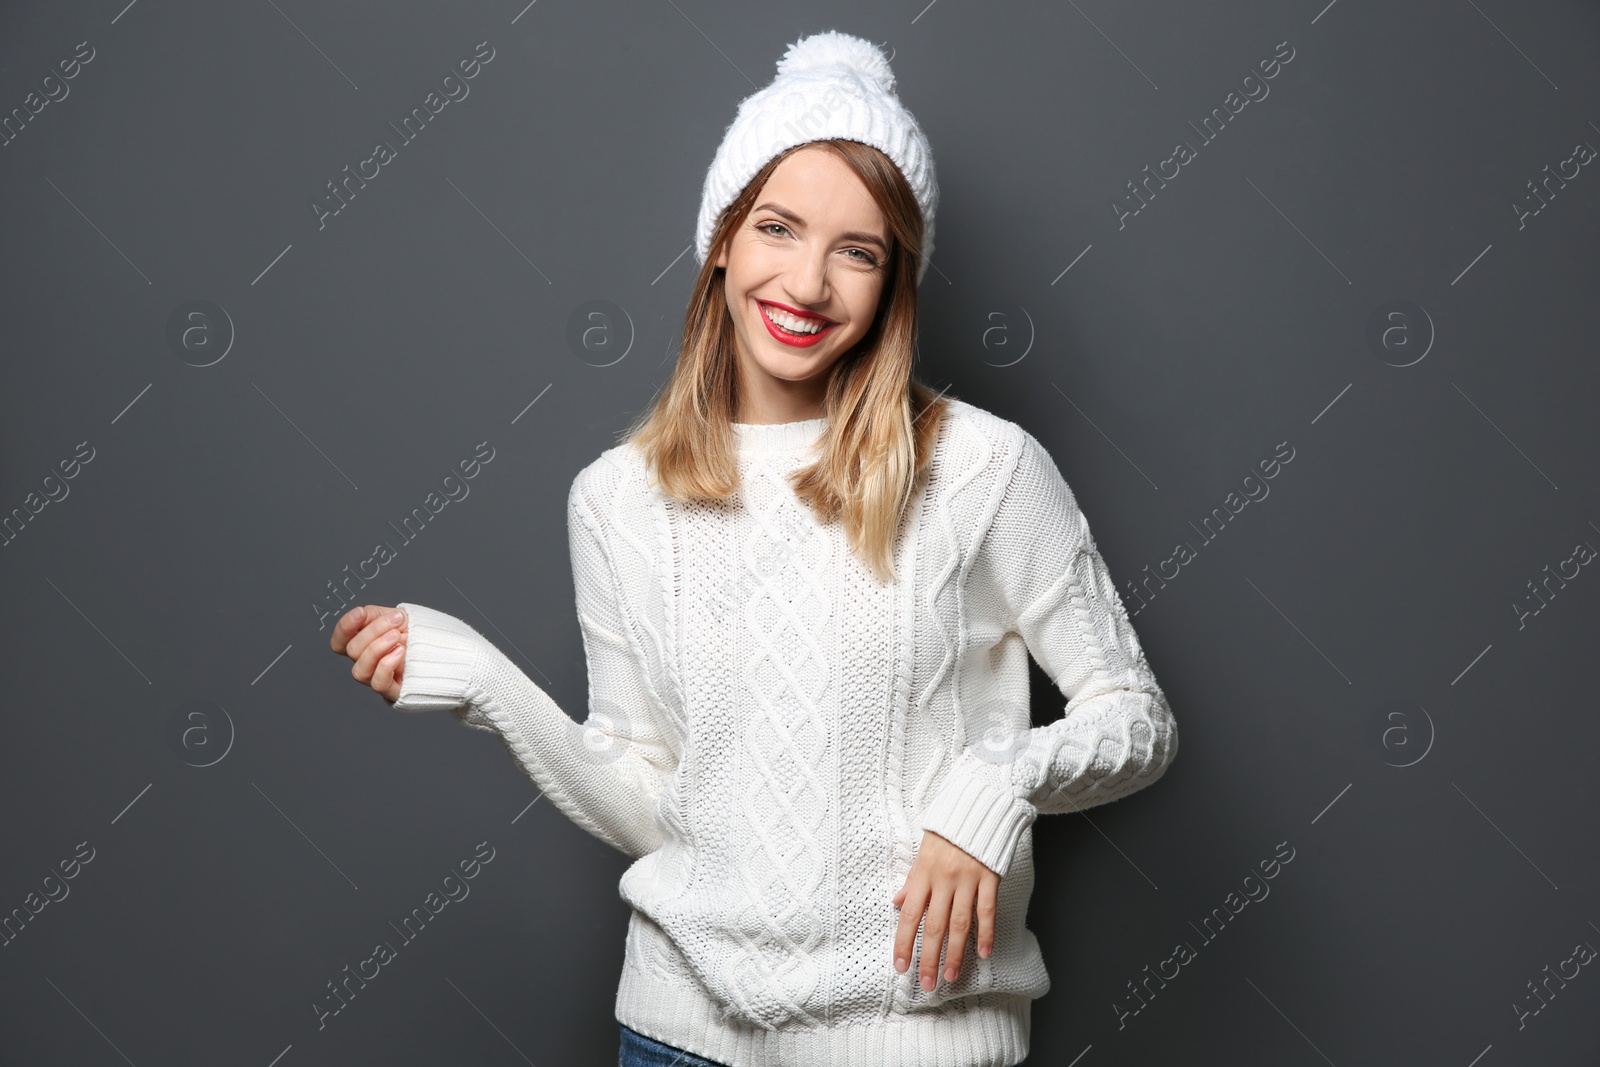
(828,85)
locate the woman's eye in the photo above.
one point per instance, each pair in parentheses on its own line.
(865,257)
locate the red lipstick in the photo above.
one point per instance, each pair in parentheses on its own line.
(794,340)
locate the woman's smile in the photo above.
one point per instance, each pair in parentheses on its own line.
(793,328)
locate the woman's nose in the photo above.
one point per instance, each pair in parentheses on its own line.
(808,281)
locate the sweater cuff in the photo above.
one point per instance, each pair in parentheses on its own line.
(982,818)
(442,655)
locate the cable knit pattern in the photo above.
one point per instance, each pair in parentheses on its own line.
(771,729)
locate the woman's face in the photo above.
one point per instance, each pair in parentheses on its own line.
(815,248)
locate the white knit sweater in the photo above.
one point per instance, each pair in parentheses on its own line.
(771,729)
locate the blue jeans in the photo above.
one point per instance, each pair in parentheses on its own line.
(641,1051)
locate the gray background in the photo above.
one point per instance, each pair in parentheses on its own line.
(1345,659)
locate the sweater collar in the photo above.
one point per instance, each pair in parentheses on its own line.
(778,436)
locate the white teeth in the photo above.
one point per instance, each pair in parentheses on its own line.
(789,322)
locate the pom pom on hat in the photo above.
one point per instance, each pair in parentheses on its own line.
(828,85)
(832,48)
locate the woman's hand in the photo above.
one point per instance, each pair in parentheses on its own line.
(378,647)
(949,883)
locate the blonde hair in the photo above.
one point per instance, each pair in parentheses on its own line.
(882,420)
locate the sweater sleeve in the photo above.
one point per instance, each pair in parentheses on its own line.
(605,773)
(1117,733)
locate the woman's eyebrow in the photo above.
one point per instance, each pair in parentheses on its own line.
(853,235)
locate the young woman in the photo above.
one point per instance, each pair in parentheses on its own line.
(808,589)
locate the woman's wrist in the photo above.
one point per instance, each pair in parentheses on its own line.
(442,657)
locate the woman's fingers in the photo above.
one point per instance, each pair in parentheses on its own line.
(374,637)
(367,662)
(933,928)
(348,626)
(359,627)
(386,677)
(960,926)
(915,899)
(988,890)
(949,885)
